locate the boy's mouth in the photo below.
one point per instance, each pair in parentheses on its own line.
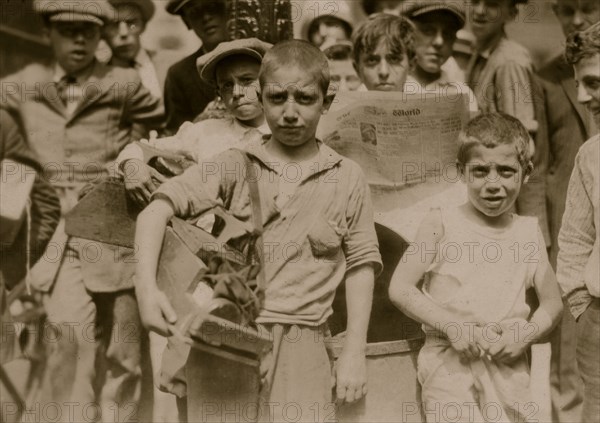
(493,200)
(77,54)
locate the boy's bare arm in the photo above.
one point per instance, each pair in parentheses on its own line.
(519,336)
(156,312)
(406,295)
(351,370)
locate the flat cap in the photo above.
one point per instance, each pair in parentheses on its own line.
(146,7)
(95,11)
(417,8)
(208,62)
(174,6)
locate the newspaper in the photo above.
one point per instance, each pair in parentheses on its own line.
(406,144)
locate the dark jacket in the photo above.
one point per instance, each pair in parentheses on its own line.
(186,95)
(45,206)
(569,126)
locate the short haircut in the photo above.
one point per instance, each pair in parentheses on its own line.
(329,20)
(491,130)
(299,53)
(397,31)
(583,44)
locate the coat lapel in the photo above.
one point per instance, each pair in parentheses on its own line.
(49,90)
(567,82)
(93,89)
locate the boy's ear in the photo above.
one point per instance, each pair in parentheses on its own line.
(528,171)
(461,171)
(327,100)
(259,94)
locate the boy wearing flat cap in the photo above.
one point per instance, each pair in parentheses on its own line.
(436,23)
(186,94)
(123,36)
(78,114)
(232,68)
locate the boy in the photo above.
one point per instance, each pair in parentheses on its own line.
(331,224)
(341,70)
(383,52)
(186,95)
(500,74)
(232,68)
(78,114)
(436,23)
(477,323)
(569,126)
(123,37)
(579,237)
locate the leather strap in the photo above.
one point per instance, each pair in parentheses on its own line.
(252,180)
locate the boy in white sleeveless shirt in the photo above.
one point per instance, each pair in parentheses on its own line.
(478,260)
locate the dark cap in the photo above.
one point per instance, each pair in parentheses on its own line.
(208,62)
(174,6)
(94,11)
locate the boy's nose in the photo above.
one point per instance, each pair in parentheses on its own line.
(438,39)
(478,8)
(238,91)
(578,20)
(582,95)
(290,114)
(383,70)
(123,29)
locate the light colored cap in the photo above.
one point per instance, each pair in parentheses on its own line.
(417,8)
(95,11)
(208,62)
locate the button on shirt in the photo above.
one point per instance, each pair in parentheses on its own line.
(309,241)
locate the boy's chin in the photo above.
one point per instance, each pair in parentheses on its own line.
(74,66)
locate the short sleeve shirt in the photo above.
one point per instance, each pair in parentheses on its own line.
(325,229)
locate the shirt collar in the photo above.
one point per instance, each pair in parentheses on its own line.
(486,53)
(80,76)
(443,80)
(326,158)
(142,58)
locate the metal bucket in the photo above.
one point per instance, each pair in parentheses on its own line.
(394,341)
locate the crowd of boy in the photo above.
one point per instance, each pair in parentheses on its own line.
(74,122)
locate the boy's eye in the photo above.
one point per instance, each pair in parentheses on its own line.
(592,84)
(372,60)
(277,98)
(227,86)
(479,171)
(305,98)
(335,78)
(428,30)
(394,59)
(506,172)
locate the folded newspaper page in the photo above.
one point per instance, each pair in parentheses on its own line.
(406,144)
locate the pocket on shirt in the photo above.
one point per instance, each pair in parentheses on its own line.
(325,238)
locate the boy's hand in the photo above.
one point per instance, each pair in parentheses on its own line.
(351,377)
(141,180)
(156,311)
(512,341)
(468,341)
